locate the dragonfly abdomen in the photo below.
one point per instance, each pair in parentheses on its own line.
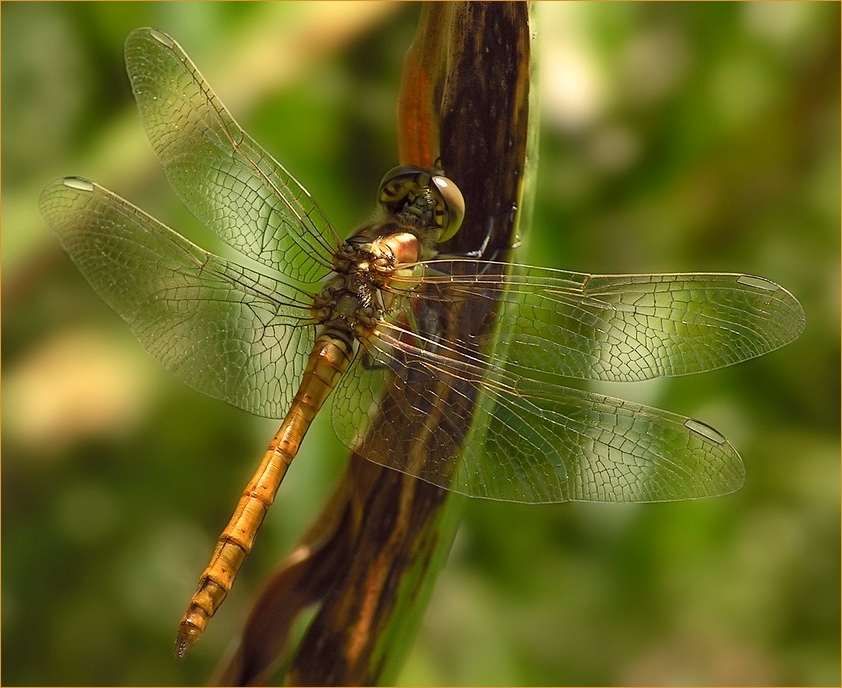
(332,354)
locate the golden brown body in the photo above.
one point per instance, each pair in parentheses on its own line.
(329,360)
(349,314)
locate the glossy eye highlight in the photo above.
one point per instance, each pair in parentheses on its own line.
(454,203)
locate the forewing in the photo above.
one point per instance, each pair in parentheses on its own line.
(524,441)
(620,327)
(227,331)
(221,174)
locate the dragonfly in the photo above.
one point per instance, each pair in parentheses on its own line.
(301,315)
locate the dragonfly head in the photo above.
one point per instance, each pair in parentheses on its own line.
(429,201)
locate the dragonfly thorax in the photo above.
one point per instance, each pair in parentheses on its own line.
(350,301)
(416,210)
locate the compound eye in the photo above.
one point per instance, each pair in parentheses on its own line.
(399,185)
(454,204)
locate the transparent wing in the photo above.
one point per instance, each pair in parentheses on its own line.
(617,327)
(227,331)
(540,442)
(454,411)
(221,174)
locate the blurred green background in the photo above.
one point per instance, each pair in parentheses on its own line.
(675,137)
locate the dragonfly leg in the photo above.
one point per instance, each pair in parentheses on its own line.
(486,251)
